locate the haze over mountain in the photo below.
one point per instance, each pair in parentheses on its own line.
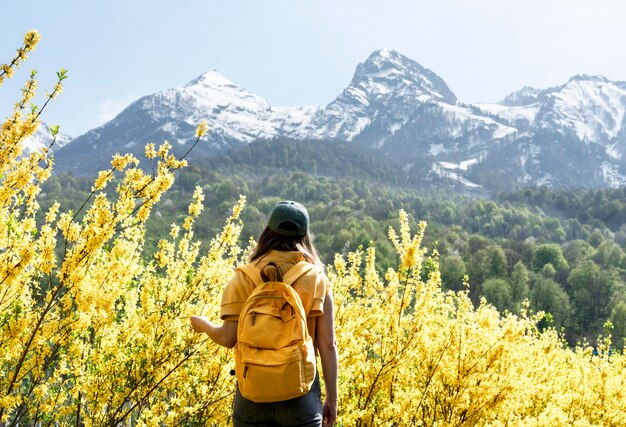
(570,135)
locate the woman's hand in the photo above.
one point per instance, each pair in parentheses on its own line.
(200,323)
(224,334)
(329,412)
(327,347)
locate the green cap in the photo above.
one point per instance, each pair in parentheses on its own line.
(289,219)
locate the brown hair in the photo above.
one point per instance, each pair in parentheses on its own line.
(270,240)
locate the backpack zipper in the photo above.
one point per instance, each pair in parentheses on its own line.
(266,296)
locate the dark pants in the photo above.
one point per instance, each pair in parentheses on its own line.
(303,411)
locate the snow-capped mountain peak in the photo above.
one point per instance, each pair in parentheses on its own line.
(387,71)
(593,106)
(213,91)
(525,96)
(589,78)
(212,79)
(385,90)
(572,134)
(234,112)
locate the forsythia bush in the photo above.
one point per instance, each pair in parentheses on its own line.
(94,333)
(91,333)
(414,355)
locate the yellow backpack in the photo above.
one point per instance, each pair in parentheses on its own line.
(274,354)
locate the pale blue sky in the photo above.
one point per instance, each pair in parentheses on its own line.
(302,52)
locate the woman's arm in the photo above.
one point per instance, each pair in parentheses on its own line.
(327,346)
(224,334)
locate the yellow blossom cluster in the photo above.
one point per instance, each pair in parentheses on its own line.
(31,39)
(202,129)
(94,332)
(412,354)
(91,331)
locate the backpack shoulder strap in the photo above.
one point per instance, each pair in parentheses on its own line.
(252,271)
(297,271)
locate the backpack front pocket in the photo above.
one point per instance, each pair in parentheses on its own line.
(270,327)
(274,375)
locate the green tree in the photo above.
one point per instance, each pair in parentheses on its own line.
(496,261)
(596,238)
(591,289)
(484,264)
(548,271)
(453,271)
(547,295)
(550,253)
(618,318)
(519,285)
(497,291)
(577,250)
(609,254)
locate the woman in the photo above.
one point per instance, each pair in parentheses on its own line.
(284,242)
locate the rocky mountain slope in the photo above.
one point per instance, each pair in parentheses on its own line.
(570,135)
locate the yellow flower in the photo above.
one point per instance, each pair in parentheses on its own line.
(31,38)
(120,162)
(164,149)
(202,129)
(103,178)
(150,151)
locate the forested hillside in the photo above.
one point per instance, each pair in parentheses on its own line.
(562,250)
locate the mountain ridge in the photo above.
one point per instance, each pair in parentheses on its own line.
(568,135)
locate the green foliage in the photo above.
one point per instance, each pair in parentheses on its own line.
(549,253)
(453,271)
(618,318)
(547,295)
(591,290)
(519,286)
(599,208)
(353,198)
(610,254)
(576,251)
(497,291)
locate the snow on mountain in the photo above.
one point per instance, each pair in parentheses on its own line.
(612,176)
(235,117)
(387,72)
(383,94)
(588,109)
(289,120)
(525,96)
(515,114)
(592,106)
(42,138)
(573,134)
(469,119)
(386,87)
(235,113)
